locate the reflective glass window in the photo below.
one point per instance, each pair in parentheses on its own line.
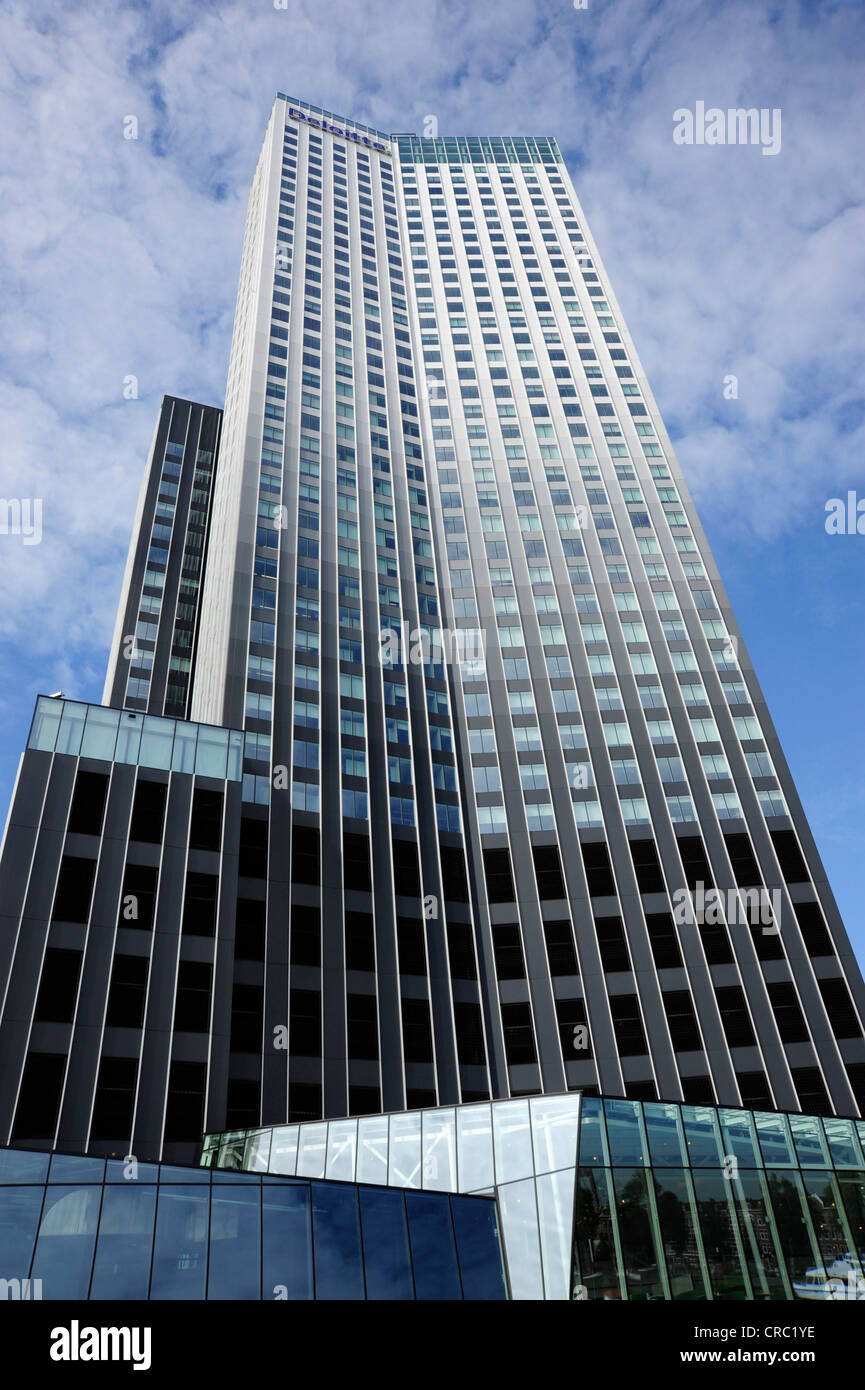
(67,1234)
(665,1134)
(597,1266)
(776,1143)
(478,1248)
(156,741)
(312,1151)
(283,1150)
(372,1143)
(235,1243)
(125,1244)
(810,1141)
(341,1150)
(512,1140)
(100,733)
(593,1134)
(702,1136)
(286,1241)
(625,1131)
(336,1242)
(474,1148)
(434,1258)
(677,1219)
(555,1196)
(20,1166)
(386,1254)
(404,1168)
(640,1254)
(555,1131)
(518,1215)
(721,1239)
(180,1247)
(439,1150)
(19,1221)
(843,1143)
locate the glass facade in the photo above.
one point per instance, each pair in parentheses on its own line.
(85,1228)
(607,1199)
(144,740)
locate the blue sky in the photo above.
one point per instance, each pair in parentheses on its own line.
(120,258)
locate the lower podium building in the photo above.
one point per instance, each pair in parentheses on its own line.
(549,1197)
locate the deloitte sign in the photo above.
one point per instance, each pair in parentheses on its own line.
(322,124)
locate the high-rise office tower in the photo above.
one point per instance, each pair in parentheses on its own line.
(432,768)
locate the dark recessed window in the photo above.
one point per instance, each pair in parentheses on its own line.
(561,952)
(793,867)
(58,986)
(242,1104)
(664,942)
(74,889)
(148,811)
(304,1023)
(716,943)
(694,861)
(508,949)
(571,1017)
(249,924)
(519,1036)
(599,874)
(138,899)
(199,904)
(416,1030)
(734,1016)
(406,873)
(682,1021)
(698,1090)
(811,1090)
(746,871)
(252,849)
(839,1006)
(205,825)
(500,883)
(359,941)
(127,992)
(184,1113)
(362,1027)
(612,944)
(461,951)
(247,1004)
(628,1025)
(304,1101)
(814,933)
(88,803)
(364,1100)
(647,867)
(470,1034)
(39,1098)
(304,935)
(548,870)
(754,1090)
(788,1012)
(454,881)
(192,1005)
(410,937)
(115,1099)
(355,866)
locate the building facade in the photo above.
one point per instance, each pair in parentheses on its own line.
(432,769)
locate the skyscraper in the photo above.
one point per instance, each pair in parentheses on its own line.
(432,767)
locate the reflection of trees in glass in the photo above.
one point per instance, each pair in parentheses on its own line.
(594,1226)
(674,1221)
(789,1222)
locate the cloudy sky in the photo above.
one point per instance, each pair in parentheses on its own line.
(120,258)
